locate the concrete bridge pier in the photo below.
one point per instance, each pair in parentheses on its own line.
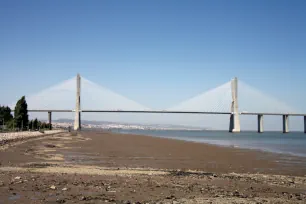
(260,123)
(77,120)
(304,124)
(50,120)
(285,123)
(234,119)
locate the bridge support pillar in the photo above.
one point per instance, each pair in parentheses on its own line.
(260,123)
(304,124)
(50,120)
(285,123)
(234,119)
(77,120)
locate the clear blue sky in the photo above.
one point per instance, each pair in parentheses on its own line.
(157,53)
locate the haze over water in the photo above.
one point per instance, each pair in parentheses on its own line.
(292,143)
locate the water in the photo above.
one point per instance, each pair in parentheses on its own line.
(293,143)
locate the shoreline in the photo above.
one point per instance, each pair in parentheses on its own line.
(210,142)
(186,155)
(104,167)
(183,155)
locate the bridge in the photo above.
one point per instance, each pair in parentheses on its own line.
(233,113)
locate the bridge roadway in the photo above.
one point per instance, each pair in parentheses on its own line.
(259,114)
(160,111)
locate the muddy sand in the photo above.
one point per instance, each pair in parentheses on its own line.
(103,167)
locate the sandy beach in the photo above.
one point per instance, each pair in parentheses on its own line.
(104,167)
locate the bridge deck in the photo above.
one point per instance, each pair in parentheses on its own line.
(168,112)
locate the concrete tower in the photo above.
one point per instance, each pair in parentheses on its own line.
(234,119)
(77,120)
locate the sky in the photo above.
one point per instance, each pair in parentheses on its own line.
(158,53)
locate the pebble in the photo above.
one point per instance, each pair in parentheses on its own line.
(17,178)
(236,193)
(61,201)
(53,187)
(64,189)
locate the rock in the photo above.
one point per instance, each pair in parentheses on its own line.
(60,201)
(17,178)
(175,202)
(170,197)
(64,189)
(127,202)
(236,193)
(50,146)
(53,187)
(86,198)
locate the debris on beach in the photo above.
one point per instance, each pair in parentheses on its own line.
(53,187)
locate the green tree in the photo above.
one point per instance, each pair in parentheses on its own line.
(5,114)
(31,124)
(39,124)
(35,124)
(11,124)
(21,113)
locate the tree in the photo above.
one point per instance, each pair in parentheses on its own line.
(35,124)
(21,113)
(31,124)
(10,124)
(39,124)
(5,114)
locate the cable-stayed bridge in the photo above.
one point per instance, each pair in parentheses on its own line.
(222,100)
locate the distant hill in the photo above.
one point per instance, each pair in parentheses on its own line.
(92,122)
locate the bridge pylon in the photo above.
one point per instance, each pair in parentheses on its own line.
(234,125)
(77,120)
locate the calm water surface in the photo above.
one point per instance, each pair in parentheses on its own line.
(293,143)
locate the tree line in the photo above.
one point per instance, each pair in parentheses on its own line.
(20,120)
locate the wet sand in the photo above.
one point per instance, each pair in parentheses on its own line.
(103,167)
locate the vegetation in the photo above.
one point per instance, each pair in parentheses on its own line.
(5,115)
(36,124)
(20,121)
(21,116)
